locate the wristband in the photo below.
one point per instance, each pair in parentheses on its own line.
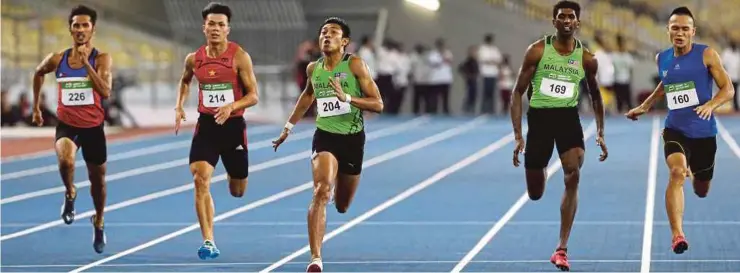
(289,126)
(347,97)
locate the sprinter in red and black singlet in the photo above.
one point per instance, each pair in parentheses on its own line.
(226,87)
(83,80)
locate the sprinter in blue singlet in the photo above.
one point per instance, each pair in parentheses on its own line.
(687,71)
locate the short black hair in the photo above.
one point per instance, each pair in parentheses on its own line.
(83,10)
(683,10)
(216,8)
(346,33)
(565,4)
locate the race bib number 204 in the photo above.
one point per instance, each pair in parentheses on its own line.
(331,106)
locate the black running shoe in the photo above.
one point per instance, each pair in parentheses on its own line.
(68,209)
(99,239)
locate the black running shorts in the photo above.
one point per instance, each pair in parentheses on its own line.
(91,140)
(549,128)
(699,152)
(349,150)
(229,141)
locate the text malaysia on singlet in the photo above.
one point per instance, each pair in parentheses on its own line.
(77,91)
(217,94)
(681,95)
(327,103)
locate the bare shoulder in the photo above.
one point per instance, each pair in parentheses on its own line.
(536,49)
(534,52)
(310,68)
(356,62)
(590,62)
(710,56)
(242,53)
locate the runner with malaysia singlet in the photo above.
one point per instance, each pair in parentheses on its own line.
(343,89)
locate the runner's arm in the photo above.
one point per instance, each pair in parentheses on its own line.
(531,58)
(246,75)
(185,80)
(46,66)
(304,100)
(657,94)
(101,77)
(371,100)
(726,90)
(591,66)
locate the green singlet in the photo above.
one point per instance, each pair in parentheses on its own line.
(556,82)
(333,115)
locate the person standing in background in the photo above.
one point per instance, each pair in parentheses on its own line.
(400,78)
(470,71)
(366,51)
(623,65)
(731,61)
(420,78)
(386,67)
(506,82)
(489,58)
(605,74)
(440,78)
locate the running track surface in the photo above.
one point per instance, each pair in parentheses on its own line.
(437,194)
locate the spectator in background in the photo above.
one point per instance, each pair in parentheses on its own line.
(440,76)
(49,117)
(22,110)
(386,67)
(605,74)
(731,61)
(307,52)
(366,51)
(8,119)
(489,58)
(506,82)
(470,71)
(400,77)
(623,66)
(419,78)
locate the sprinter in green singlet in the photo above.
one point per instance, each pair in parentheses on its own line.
(343,88)
(553,68)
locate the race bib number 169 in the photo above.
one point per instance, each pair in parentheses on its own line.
(557,88)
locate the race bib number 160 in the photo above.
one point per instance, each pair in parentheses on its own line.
(681,95)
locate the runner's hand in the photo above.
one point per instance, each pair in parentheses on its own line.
(283,136)
(519,149)
(84,53)
(37,118)
(338,89)
(704,111)
(602,144)
(223,113)
(635,112)
(179,116)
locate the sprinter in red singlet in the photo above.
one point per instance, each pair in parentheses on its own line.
(84,78)
(226,87)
